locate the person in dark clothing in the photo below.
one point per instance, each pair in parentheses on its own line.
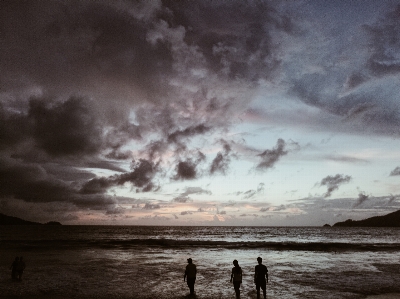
(237,277)
(20,268)
(190,275)
(13,268)
(261,278)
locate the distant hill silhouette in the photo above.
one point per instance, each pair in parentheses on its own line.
(53,223)
(9,220)
(389,220)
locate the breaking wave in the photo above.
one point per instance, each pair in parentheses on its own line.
(170,243)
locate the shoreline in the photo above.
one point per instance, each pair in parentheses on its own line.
(384,296)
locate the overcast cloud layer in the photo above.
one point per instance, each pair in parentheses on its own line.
(199,112)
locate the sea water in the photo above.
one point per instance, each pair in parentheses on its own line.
(149,262)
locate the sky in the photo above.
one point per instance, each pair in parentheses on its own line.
(275,113)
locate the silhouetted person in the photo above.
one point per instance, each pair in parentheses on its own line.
(190,275)
(20,268)
(237,277)
(13,268)
(261,278)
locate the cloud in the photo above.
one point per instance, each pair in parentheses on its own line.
(395,171)
(31,182)
(333,183)
(45,121)
(251,193)
(384,57)
(87,87)
(279,208)
(151,206)
(81,135)
(270,157)
(230,48)
(392,198)
(185,170)
(176,136)
(358,72)
(222,160)
(345,159)
(362,197)
(184,197)
(140,177)
(115,210)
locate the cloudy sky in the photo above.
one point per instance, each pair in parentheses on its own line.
(199,112)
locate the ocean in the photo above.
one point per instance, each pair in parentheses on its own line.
(149,261)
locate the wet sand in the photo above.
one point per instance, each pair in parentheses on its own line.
(385,296)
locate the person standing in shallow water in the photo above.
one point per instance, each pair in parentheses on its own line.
(261,278)
(237,277)
(13,268)
(190,275)
(20,268)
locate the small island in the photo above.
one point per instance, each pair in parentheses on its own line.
(389,220)
(9,220)
(53,223)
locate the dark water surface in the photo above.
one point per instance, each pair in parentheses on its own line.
(149,262)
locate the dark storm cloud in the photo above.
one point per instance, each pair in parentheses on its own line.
(58,128)
(395,171)
(64,43)
(185,170)
(244,48)
(67,128)
(333,183)
(140,177)
(128,53)
(30,182)
(270,157)
(13,127)
(33,183)
(67,173)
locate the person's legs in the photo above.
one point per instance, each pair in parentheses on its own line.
(190,283)
(264,288)
(258,290)
(236,286)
